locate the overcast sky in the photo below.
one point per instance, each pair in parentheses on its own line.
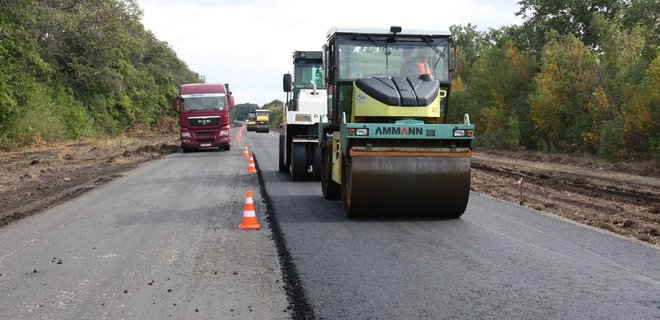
(248,43)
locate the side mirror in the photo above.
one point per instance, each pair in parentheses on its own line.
(175,105)
(287,85)
(231,102)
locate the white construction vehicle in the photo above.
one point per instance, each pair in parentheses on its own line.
(306,106)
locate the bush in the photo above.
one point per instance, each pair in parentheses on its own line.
(612,145)
(506,136)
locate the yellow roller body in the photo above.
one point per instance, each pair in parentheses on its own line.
(393,152)
(366,106)
(336,157)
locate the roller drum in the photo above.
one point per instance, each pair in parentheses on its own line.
(406,186)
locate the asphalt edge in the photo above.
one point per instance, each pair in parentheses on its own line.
(298,303)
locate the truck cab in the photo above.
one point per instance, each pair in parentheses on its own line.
(203,110)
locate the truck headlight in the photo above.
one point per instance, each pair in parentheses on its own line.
(224,132)
(185,134)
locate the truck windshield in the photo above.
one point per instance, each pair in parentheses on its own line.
(369,56)
(306,72)
(206,102)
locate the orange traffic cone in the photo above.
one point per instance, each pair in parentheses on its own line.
(246,154)
(249,216)
(251,167)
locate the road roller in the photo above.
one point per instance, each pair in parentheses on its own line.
(386,148)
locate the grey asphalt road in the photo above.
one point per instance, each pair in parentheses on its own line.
(498,261)
(160,242)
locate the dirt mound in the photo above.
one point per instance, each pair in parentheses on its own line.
(608,199)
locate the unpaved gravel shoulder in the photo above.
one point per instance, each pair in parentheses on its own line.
(39,177)
(624,203)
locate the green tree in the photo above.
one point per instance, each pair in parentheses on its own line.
(76,68)
(460,102)
(276,108)
(469,43)
(568,17)
(644,14)
(561,91)
(499,85)
(642,114)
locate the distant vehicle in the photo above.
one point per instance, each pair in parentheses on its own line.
(263,124)
(251,122)
(204,115)
(305,107)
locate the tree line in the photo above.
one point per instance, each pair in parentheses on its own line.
(72,69)
(577,76)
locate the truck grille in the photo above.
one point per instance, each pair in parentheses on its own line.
(204,121)
(204,134)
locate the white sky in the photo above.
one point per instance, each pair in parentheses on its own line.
(248,43)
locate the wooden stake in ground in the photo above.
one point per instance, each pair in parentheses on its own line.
(522,201)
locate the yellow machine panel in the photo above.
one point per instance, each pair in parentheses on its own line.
(336,157)
(365,105)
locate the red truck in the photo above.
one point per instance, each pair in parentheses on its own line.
(204,115)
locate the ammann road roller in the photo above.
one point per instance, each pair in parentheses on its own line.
(386,147)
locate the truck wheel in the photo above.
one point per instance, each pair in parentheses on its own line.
(187,149)
(316,155)
(329,187)
(298,162)
(282,166)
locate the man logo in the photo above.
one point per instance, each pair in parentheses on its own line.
(204,121)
